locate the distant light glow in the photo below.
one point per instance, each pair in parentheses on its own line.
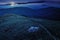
(12,3)
(33,29)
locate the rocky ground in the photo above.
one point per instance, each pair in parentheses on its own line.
(15,27)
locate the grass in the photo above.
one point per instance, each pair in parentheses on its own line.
(14,27)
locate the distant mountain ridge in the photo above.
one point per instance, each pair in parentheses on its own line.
(47,13)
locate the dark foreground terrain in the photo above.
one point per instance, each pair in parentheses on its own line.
(15,27)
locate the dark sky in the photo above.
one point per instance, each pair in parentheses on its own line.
(17,0)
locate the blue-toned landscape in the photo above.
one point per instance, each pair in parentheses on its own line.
(37,10)
(29,21)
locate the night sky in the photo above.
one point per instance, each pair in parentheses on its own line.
(18,0)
